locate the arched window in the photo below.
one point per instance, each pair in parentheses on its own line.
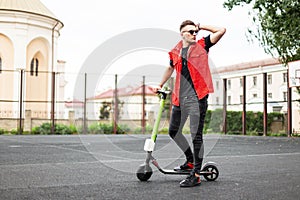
(34,67)
(0,64)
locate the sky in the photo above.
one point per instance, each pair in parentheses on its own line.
(90,23)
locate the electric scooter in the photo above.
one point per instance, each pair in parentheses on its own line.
(209,170)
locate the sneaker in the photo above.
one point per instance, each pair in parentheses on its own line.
(185,166)
(190,181)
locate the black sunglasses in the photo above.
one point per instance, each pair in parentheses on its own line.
(192,32)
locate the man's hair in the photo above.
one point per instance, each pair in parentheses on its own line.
(185,23)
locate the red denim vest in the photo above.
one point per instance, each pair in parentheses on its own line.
(198,67)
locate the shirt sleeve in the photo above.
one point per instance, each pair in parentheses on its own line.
(171,59)
(208,43)
(171,63)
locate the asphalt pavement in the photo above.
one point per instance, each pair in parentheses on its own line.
(104,167)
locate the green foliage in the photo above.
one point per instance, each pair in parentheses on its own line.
(102,128)
(14,131)
(234,122)
(105,110)
(277,26)
(60,129)
(254,121)
(213,121)
(164,131)
(98,128)
(148,130)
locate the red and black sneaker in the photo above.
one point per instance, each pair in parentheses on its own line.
(187,166)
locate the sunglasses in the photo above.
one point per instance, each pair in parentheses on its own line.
(192,32)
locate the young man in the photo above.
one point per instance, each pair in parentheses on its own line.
(193,84)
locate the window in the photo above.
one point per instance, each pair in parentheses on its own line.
(284,96)
(0,64)
(241,99)
(217,101)
(285,77)
(270,79)
(229,100)
(254,81)
(254,95)
(217,85)
(229,84)
(34,67)
(270,95)
(241,82)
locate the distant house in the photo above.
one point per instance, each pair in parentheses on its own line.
(76,106)
(131,99)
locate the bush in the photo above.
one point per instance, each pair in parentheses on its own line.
(14,131)
(99,128)
(148,130)
(213,121)
(2,131)
(254,121)
(60,129)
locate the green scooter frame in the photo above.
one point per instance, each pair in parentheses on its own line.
(209,170)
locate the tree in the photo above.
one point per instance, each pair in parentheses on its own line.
(105,110)
(277,26)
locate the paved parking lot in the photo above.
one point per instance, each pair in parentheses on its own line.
(104,167)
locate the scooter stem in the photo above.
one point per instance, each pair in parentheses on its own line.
(157,121)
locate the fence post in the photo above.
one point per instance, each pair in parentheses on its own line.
(84,105)
(53,104)
(289,113)
(143,106)
(116,105)
(21,102)
(265,104)
(244,115)
(225,105)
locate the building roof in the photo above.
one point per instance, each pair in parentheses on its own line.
(128,91)
(74,104)
(247,65)
(27,6)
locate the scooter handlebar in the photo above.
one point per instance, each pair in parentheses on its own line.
(163,93)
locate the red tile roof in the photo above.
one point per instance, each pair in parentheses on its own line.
(128,91)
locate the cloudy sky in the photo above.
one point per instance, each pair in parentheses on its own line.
(89,23)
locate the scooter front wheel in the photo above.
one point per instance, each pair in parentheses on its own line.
(144,172)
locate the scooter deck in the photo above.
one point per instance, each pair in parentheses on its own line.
(183,172)
(179,172)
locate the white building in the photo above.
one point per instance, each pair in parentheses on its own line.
(277,87)
(28,42)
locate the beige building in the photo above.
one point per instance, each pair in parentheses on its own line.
(277,87)
(28,42)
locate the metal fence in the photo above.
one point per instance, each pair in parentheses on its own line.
(29,99)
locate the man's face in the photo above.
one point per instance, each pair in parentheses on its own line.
(188,33)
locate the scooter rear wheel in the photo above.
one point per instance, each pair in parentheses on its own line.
(144,172)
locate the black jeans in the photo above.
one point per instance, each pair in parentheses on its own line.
(194,109)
